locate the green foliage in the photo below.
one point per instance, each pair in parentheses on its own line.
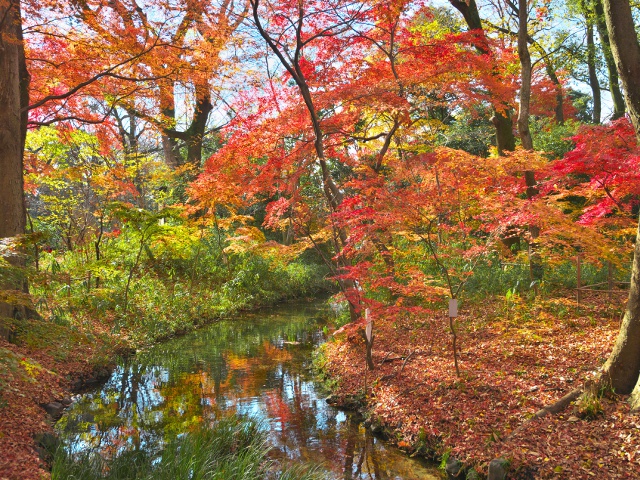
(115,250)
(552,138)
(319,367)
(444,459)
(472,134)
(170,276)
(495,276)
(588,404)
(425,445)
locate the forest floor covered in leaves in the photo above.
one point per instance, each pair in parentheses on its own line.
(44,364)
(515,358)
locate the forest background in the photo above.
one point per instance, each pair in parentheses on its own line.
(180,160)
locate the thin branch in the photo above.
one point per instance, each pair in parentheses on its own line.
(91,80)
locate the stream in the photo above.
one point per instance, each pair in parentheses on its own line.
(256,364)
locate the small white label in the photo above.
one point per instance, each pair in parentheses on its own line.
(369,327)
(453,307)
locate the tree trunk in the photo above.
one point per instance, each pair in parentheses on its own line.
(535,263)
(525,77)
(505,140)
(593,76)
(198,127)
(170,147)
(171,152)
(12,122)
(14,82)
(193,136)
(614,86)
(623,366)
(626,54)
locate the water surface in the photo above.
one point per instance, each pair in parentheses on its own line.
(256,364)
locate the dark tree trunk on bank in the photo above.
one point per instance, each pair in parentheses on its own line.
(14,98)
(13,83)
(593,75)
(623,366)
(614,84)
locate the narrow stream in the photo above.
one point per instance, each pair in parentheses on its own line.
(258,365)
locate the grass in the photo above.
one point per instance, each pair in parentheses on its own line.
(232,448)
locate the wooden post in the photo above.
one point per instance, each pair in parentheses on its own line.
(368,337)
(453,313)
(578,277)
(610,281)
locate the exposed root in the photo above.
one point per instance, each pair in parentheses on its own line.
(560,405)
(556,407)
(393,375)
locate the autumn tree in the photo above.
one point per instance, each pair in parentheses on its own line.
(342,142)
(29,100)
(293,32)
(14,97)
(505,140)
(155,64)
(623,366)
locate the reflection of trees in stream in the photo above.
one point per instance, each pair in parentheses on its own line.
(254,367)
(361,452)
(113,421)
(169,388)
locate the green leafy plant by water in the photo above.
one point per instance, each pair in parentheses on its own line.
(231,449)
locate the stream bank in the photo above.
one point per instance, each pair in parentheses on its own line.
(48,361)
(256,366)
(510,368)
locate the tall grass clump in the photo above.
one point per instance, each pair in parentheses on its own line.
(231,449)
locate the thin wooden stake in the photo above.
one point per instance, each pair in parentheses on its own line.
(455,351)
(610,281)
(578,277)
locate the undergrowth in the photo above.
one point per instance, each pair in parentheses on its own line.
(162,295)
(231,449)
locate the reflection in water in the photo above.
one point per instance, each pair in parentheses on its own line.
(256,366)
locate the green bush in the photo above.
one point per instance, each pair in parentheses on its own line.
(171,287)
